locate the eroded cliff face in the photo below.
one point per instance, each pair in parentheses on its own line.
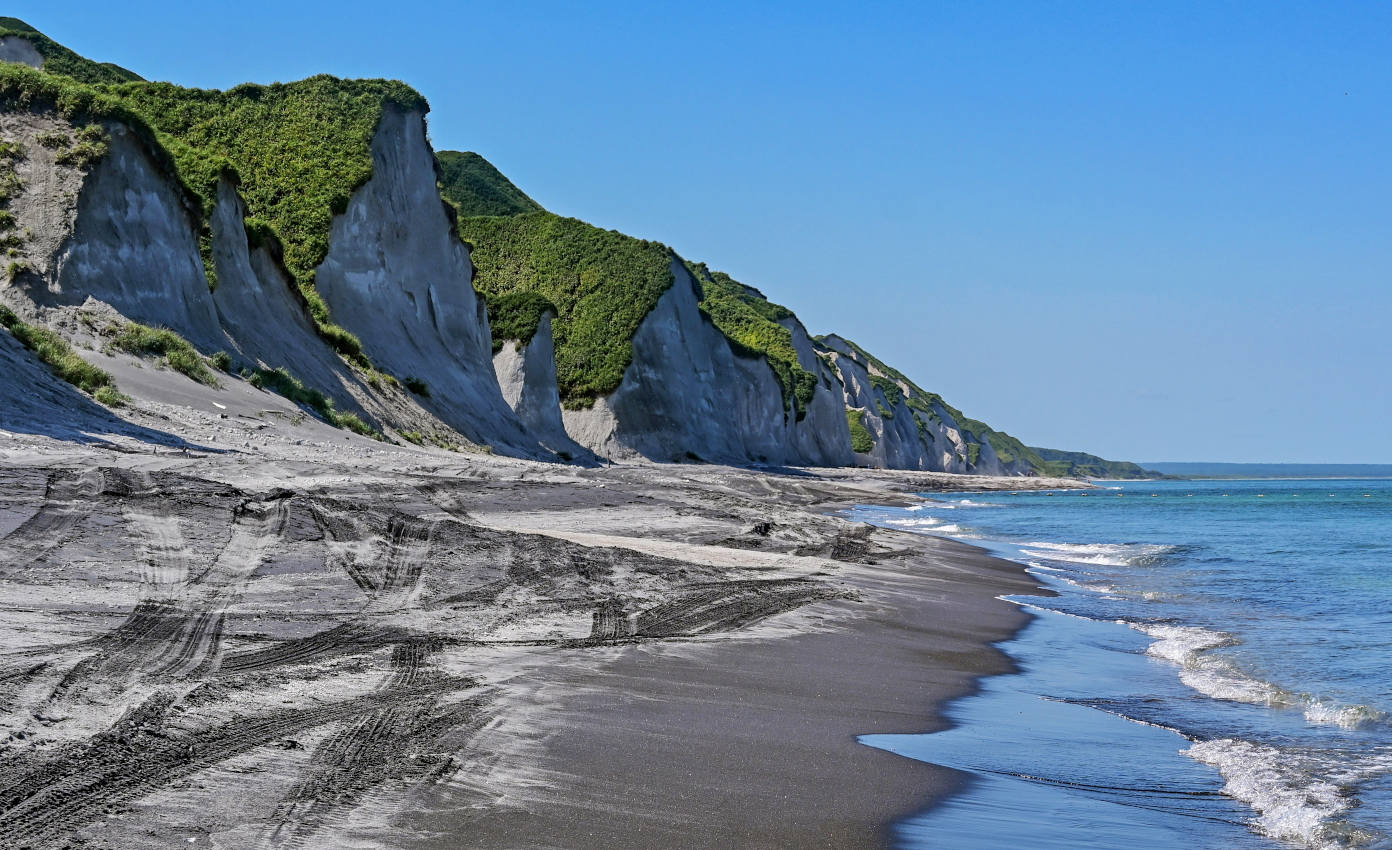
(689,396)
(910,430)
(527,378)
(398,277)
(134,246)
(118,240)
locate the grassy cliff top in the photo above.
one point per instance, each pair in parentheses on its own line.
(60,60)
(601,283)
(476,188)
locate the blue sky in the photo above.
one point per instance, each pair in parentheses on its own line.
(1149,231)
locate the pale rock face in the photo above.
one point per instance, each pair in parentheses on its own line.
(823,437)
(527,377)
(398,277)
(20,50)
(266,323)
(687,395)
(133,246)
(908,439)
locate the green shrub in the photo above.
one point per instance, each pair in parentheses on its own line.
(413,437)
(222,361)
(53,139)
(92,146)
(55,351)
(516,315)
(111,397)
(601,282)
(862,440)
(417,386)
(178,353)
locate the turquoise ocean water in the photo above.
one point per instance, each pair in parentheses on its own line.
(1215,672)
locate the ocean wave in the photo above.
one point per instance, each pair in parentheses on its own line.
(971,504)
(1098,554)
(1345,716)
(1219,678)
(914,522)
(1211,675)
(1297,797)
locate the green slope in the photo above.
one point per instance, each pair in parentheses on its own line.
(601,282)
(476,188)
(58,59)
(1084,465)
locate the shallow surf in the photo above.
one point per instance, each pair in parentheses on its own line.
(1211,674)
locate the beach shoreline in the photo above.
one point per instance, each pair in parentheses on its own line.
(740,732)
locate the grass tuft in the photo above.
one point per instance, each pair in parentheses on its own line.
(55,351)
(282,383)
(178,353)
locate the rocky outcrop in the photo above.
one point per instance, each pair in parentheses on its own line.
(21,50)
(398,277)
(134,246)
(688,395)
(527,377)
(121,236)
(911,429)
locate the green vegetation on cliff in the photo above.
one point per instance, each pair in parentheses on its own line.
(296,151)
(476,188)
(601,282)
(862,440)
(1084,465)
(516,315)
(58,59)
(751,322)
(1006,447)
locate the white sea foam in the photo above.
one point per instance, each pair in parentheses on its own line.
(1298,796)
(914,522)
(1344,716)
(1099,554)
(1214,676)
(971,504)
(1220,678)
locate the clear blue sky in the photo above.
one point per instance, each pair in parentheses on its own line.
(1154,231)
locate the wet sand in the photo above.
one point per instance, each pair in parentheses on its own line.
(753,743)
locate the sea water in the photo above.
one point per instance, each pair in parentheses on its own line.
(1215,671)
